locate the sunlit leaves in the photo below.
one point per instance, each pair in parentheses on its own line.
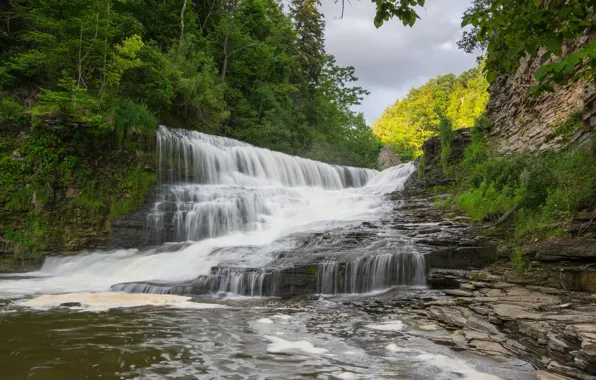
(406,124)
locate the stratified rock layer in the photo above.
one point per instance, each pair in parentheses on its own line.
(520,122)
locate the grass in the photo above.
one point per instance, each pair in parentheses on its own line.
(519,261)
(548,190)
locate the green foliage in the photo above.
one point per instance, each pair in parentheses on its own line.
(519,261)
(548,190)
(10,111)
(409,122)
(84,83)
(135,186)
(510,30)
(405,10)
(569,126)
(244,69)
(133,119)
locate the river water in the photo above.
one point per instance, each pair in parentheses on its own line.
(199,298)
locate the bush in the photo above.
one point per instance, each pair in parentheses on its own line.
(548,190)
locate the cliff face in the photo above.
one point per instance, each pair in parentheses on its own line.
(554,121)
(387,158)
(62,187)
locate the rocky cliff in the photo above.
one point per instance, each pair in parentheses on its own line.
(553,121)
(387,158)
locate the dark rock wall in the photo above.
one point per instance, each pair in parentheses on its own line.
(432,172)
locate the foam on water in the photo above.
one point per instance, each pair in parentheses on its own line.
(279,345)
(107,300)
(457,367)
(388,326)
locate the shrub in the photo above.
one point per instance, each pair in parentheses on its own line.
(548,190)
(519,261)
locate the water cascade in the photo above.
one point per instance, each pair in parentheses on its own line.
(233,218)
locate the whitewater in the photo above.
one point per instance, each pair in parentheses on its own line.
(218,195)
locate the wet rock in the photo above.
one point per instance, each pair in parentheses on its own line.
(479,324)
(70,304)
(544,375)
(430,327)
(489,347)
(475,335)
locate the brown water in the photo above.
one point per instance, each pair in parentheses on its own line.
(249,339)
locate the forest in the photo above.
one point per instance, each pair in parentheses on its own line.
(405,125)
(248,70)
(84,84)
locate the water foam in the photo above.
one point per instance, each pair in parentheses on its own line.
(105,301)
(279,345)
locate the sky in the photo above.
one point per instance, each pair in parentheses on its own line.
(392,59)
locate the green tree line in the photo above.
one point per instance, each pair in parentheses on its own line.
(405,125)
(244,69)
(84,84)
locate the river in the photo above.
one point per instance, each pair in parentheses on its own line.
(249,267)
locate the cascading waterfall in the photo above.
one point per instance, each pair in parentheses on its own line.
(369,273)
(227,215)
(214,185)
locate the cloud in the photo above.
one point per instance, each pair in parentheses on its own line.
(392,59)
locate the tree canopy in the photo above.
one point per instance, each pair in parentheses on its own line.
(405,125)
(244,69)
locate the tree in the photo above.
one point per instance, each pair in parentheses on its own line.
(511,30)
(310,25)
(405,125)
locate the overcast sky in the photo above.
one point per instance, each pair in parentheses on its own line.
(392,59)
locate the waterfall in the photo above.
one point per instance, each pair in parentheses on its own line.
(212,186)
(233,218)
(370,273)
(194,157)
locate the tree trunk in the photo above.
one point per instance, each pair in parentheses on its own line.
(182,20)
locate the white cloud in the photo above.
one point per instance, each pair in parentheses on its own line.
(392,59)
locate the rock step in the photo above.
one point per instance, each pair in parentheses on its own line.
(360,275)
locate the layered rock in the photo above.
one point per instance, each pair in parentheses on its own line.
(553,121)
(387,158)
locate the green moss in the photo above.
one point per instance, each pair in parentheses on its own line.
(446,137)
(61,186)
(311,270)
(420,168)
(478,276)
(138,188)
